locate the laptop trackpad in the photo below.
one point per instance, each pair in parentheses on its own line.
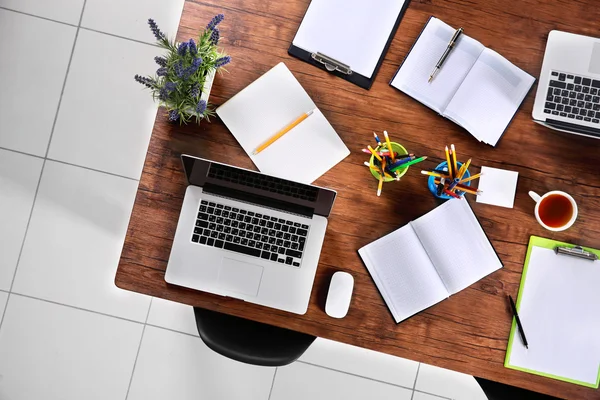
(240,277)
(595,60)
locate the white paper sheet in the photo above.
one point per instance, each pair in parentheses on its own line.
(268,105)
(559,313)
(498,187)
(353,32)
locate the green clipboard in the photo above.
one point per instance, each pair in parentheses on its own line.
(547,244)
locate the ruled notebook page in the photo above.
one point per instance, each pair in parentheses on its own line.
(489,97)
(403,273)
(456,244)
(413,75)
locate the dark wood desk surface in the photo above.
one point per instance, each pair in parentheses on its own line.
(469,331)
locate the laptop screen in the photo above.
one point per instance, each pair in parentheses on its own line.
(242,182)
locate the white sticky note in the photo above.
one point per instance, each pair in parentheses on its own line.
(498,187)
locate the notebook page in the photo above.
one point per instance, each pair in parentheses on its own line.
(353,32)
(414,73)
(456,244)
(489,96)
(403,273)
(558,308)
(268,105)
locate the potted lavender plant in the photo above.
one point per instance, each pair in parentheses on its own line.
(184,78)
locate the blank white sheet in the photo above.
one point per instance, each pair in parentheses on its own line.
(268,105)
(559,311)
(498,187)
(353,32)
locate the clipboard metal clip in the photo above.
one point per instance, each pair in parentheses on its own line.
(331,64)
(576,251)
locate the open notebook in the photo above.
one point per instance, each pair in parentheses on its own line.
(268,105)
(414,267)
(336,28)
(476,87)
(558,306)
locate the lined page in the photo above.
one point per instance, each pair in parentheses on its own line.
(353,32)
(268,105)
(414,73)
(403,273)
(489,97)
(558,307)
(456,244)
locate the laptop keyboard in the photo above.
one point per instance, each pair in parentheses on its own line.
(574,97)
(250,233)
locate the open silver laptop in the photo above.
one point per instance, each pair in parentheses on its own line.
(248,235)
(568,94)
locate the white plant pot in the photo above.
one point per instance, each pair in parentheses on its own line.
(210,78)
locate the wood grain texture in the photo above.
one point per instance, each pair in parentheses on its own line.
(469,331)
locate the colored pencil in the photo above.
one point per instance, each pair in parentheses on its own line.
(383,162)
(454,160)
(372,167)
(374,153)
(380,185)
(282,132)
(464,169)
(470,178)
(389,144)
(448,162)
(449,193)
(413,162)
(436,174)
(377,139)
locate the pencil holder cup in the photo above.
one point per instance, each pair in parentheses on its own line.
(444,167)
(398,148)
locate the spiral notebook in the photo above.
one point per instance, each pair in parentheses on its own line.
(414,267)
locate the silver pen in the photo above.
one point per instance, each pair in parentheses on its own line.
(455,37)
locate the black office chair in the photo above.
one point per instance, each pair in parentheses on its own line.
(248,341)
(500,391)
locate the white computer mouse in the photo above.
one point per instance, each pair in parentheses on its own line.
(339,294)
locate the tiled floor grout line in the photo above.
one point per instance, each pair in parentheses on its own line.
(138,350)
(62,91)
(37,16)
(431,394)
(273,383)
(93,169)
(415,382)
(355,375)
(22,152)
(76,308)
(120,37)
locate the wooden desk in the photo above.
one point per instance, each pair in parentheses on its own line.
(469,331)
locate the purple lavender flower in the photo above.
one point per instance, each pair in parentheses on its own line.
(215,21)
(179,69)
(144,81)
(222,61)
(182,48)
(163,94)
(154,28)
(162,71)
(170,86)
(195,92)
(161,61)
(173,115)
(215,35)
(201,107)
(192,47)
(189,71)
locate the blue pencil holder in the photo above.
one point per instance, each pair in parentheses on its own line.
(444,167)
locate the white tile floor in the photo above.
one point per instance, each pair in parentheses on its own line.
(74,128)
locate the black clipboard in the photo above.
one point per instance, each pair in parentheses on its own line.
(337,67)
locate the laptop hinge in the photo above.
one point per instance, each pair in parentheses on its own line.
(256,199)
(567,126)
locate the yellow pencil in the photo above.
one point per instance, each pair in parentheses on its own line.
(282,132)
(383,169)
(389,145)
(471,178)
(433,174)
(464,169)
(454,160)
(380,185)
(449,163)
(372,167)
(374,153)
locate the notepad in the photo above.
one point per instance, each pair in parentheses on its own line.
(498,187)
(476,87)
(268,105)
(431,258)
(558,306)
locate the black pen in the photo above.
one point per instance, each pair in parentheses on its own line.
(516,315)
(450,46)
